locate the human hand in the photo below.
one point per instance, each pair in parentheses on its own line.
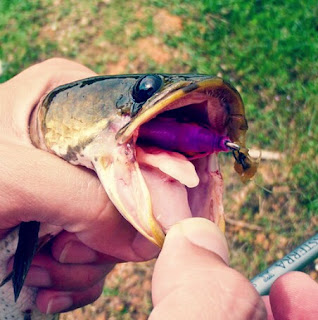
(36,185)
(192,280)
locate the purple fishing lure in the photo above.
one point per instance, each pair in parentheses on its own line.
(186,138)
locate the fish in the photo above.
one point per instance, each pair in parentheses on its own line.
(152,140)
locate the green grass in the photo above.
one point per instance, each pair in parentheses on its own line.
(20,23)
(110,292)
(267,49)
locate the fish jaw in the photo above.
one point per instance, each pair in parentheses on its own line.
(137,185)
(120,174)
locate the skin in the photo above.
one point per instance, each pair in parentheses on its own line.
(191,280)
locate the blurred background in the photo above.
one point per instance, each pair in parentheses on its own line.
(267,49)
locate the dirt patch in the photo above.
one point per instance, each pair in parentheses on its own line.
(166,23)
(119,67)
(152,47)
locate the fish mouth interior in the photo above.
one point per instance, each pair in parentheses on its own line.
(188,180)
(183,121)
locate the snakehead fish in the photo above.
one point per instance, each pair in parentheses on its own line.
(153,142)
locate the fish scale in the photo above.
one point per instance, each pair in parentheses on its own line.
(9,309)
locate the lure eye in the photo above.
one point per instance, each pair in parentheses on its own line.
(146,87)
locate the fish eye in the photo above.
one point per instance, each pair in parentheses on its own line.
(146,87)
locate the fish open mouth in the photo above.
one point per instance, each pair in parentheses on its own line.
(157,162)
(177,141)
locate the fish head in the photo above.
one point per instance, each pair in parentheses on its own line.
(151,139)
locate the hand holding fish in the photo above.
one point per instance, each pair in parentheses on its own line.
(35,185)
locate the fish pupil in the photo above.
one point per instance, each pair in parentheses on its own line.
(146,87)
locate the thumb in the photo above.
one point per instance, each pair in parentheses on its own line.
(193,281)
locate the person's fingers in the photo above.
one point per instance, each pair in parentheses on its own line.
(67,248)
(294,296)
(51,301)
(267,303)
(28,172)
(192,280)
(46,272)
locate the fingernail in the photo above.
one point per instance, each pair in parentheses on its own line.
(205,234)
(59,304)
(38,277)
(76,252)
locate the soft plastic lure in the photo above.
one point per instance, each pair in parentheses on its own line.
(183,137)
